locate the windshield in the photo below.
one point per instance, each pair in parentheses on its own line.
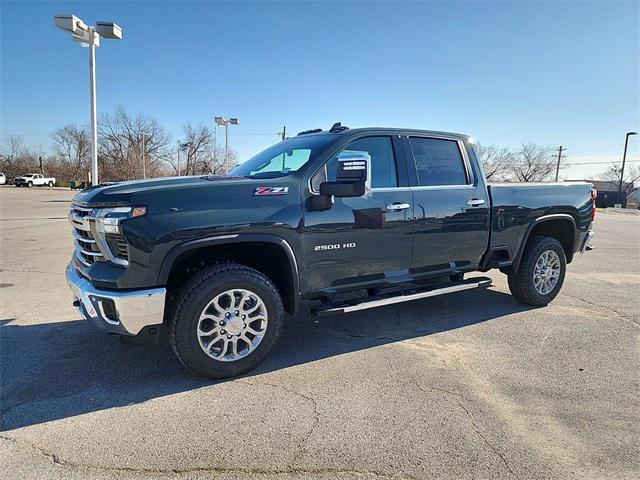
(283,158)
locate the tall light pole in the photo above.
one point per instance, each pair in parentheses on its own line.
(88,36)
(624,159)
(223,122)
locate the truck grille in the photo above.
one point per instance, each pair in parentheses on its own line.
(87,251)
(90,249)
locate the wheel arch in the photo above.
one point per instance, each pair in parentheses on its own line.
(270,254)
(560,226)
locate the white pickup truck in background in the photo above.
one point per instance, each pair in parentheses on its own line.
(31,179)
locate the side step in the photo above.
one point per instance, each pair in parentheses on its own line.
(390,299)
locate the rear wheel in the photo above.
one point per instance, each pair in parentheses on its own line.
(541,272)
(50,184)
(226,320)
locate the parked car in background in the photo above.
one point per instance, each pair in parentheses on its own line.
(3,179)
(34,179)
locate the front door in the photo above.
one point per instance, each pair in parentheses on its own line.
(451,206)
(365,239)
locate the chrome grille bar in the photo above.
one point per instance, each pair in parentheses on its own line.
(77,236)
(90,241)
(87,252)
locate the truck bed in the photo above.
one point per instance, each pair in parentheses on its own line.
(515,207)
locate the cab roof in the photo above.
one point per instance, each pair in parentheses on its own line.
(338,129)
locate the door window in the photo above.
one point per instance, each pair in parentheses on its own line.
(383,162)
(438,162)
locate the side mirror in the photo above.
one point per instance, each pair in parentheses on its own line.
(353,178)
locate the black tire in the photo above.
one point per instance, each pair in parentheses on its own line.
(30,184)
(521,283)
(193,298)
(50,184)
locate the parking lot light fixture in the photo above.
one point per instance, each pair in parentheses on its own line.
(224,122)
(89,36)
(624,159)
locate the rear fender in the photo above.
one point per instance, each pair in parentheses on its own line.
(547,219)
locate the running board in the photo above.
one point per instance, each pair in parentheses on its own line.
(382,300)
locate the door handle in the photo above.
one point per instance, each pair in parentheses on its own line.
(475,202)
(397,206)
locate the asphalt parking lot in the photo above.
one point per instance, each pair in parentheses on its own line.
(470,385)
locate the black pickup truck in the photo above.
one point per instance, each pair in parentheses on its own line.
(346,219)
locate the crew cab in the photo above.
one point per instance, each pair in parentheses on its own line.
(347,219)
(34,179)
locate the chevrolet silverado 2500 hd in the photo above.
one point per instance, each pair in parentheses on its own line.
(393,214)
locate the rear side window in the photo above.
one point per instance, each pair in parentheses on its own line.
(438,162)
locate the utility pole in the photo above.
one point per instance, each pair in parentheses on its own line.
(284,132)
(560,149)
(178,159)
(624,159)
(144,160)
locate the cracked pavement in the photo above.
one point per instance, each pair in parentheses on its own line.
(470,385)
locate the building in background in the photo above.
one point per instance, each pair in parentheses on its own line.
(608,193)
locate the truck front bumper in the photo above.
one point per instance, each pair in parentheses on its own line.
(124,312)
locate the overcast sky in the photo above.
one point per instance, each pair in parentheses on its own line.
(506,72)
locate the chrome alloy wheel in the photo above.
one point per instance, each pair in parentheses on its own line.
(232,325)
(546,272)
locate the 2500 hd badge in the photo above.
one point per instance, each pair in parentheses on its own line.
(334,246)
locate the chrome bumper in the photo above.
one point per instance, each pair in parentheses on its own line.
(585,243)
(124,312)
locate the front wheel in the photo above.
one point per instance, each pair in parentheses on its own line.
(30,184)
(226,320)
(541,272)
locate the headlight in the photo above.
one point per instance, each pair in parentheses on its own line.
(108,219)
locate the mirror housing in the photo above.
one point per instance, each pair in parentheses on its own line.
(353,178)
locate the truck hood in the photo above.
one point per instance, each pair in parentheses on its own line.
(121,193)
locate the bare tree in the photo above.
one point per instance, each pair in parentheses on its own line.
(199,152)
(16,159)
(72,144)
(533,163)
(631,181)
(126,141)
(496,161)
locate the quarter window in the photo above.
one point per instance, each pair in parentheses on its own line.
(438,162)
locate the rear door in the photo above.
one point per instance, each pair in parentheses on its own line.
(364,239)
(451,205)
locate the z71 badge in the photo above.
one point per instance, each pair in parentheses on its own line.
(271,191)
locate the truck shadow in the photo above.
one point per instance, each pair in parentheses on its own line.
(59,370)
